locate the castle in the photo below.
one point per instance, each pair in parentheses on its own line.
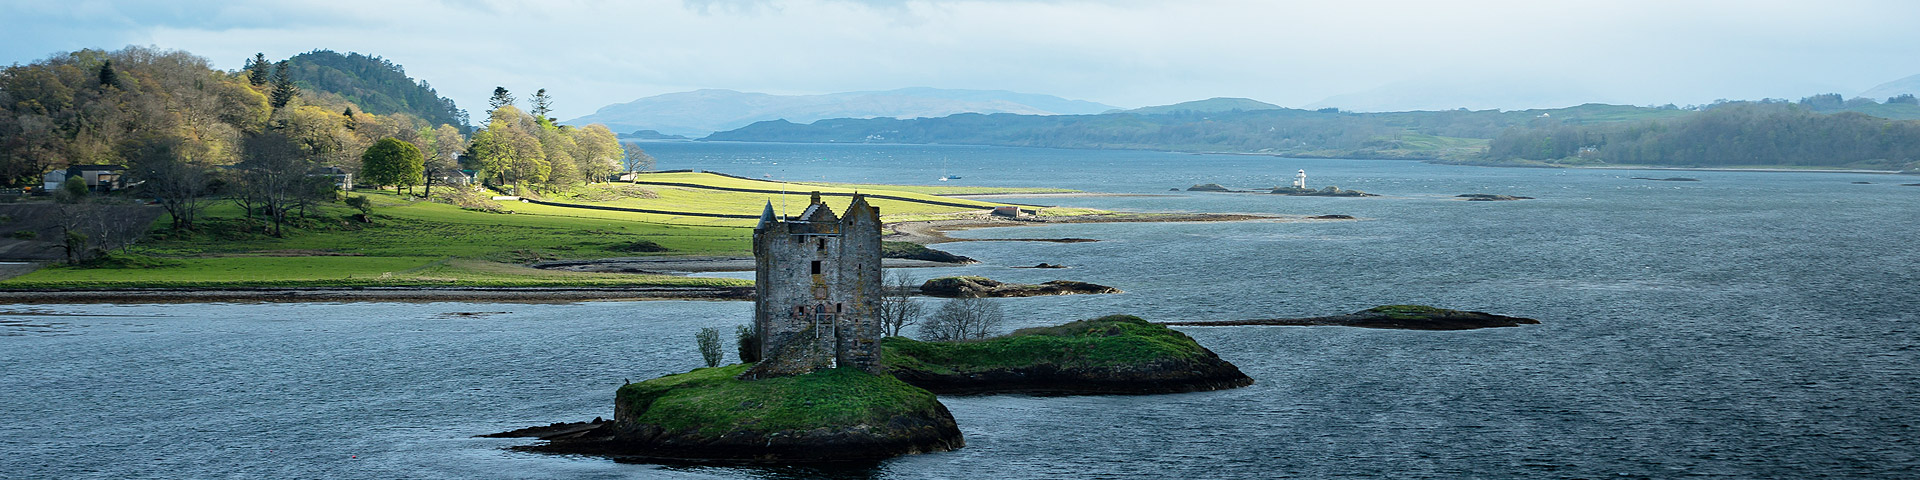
(817,280)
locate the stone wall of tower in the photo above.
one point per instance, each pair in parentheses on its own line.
(817,280)
(861,280)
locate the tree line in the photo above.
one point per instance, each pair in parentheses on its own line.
(1726,134)
(190,134)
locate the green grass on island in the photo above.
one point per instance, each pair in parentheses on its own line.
(712,401)
(1106,341)
(412,242)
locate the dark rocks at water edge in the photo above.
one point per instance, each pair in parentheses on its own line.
(915,251)
(985,287)
(1046,265)
(1328,191)
(1668,179)
(709,414)
(1404,317)
(1118,354)
(1331,217)
(1488,197)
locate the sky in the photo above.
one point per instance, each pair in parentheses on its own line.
(1359,55)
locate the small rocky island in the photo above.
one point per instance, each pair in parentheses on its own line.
(821,385)
(1404,317)
(1489,197)
(1117,354)
(984,287)
(1295,191)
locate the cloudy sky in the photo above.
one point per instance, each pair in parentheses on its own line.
(1362,55)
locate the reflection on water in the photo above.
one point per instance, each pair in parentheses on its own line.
(1745,326)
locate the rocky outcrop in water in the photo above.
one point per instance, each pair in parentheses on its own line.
(1488,197)
(1209,187)
(1328,191)
(989,288)
(1404,317)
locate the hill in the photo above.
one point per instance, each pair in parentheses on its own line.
(1216,104)
(701,112)
(1880,93)
(376,85)
(1279,131)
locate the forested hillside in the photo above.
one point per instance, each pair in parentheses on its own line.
(1732,134)
(374,84)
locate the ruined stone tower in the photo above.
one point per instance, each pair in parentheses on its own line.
(817,277)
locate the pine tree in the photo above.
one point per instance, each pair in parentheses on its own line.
(108,77)
(258,71)
(283,89)
(350,123)
(500,99)
(541,104)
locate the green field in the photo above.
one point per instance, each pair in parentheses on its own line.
(419,243)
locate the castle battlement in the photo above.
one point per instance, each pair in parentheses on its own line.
(817,283)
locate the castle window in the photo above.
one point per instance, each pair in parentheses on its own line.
(816,267)
(837,308)
(823,244)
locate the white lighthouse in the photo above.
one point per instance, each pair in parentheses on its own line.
(1300,179)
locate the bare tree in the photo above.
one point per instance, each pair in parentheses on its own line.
(635,159)
(166,167)
(962,319)
(896,308)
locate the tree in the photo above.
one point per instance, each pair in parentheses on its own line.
(597,151)
(283,89)
(896,308)
(392,162)
(540,104)
(108,77)
(500,99)
(258,70)
(962,319)
(350,122)
(1906,98)
(709,339)
(635,159)
(443,149)
(165,167)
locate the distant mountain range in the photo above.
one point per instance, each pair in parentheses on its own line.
(1216,104)
(700,112)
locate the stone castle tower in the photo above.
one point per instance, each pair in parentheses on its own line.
(817,277)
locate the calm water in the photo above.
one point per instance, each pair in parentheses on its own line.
(1750,325)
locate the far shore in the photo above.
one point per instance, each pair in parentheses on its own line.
(375,294)
(922,232)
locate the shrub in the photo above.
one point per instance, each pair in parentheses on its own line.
(709,339)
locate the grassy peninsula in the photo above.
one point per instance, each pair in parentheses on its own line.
(409,242)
